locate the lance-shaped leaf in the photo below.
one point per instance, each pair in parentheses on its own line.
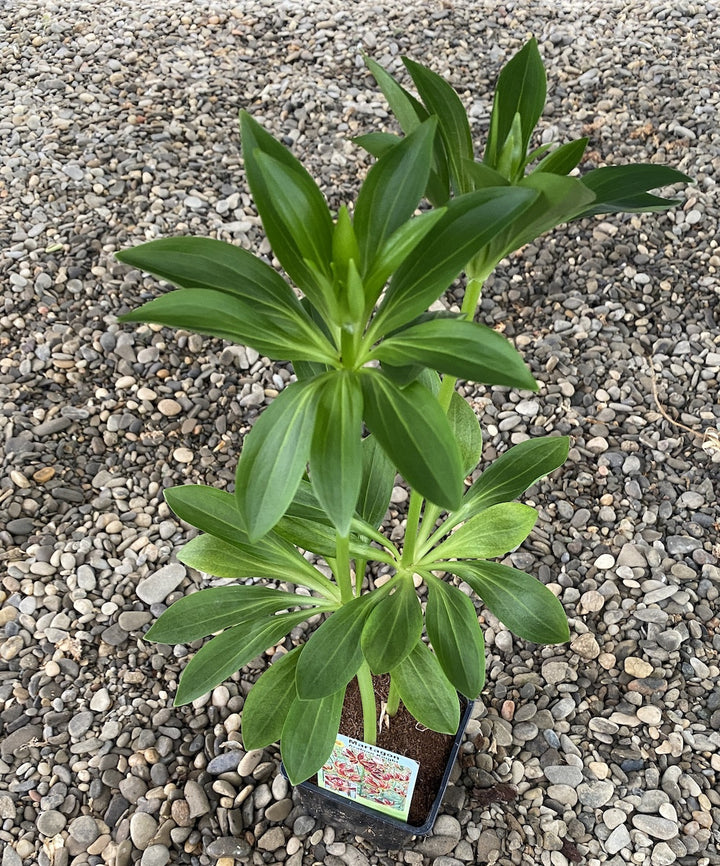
(455,635)
(522,603)
(480,175)
(510,475)
(264,311)
(211,610)
(442,101)
(377,143)
(335,456)
(564,158)
(461,348)
(279,223)
(392,190)
(274,456)
(378,480)
(559,200)
(268,703)
(415,434)
(521,89)
(410,113)
(393,627)
(466,430)
(217,557)
(468,224)
(624,188)
(332,655)
(219,314)
(308,735)
(228,652)
(426,691)
(397,248)
(217,513)
(306,524)
(493,532)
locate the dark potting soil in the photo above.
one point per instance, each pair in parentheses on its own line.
(404,736)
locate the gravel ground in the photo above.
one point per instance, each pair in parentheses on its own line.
(118,125)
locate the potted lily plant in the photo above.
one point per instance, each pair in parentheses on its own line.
(374,396)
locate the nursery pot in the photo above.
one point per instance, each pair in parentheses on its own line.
(387,832)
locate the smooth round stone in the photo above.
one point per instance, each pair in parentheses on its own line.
(618,839)
(183,455)
(169,408)
(613,818)
(155,855)
(563,794)
(637,667)
(143,828)
(84,830)
(656,827)
(563,775)
(595,794)
(249,762)
(52,822)
(279,811)
(662,855)
(650,714)
(604,562)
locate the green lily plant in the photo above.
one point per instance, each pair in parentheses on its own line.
(317,469)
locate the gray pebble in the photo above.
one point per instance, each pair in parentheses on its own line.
(158,586)
(656,827)
(50,823)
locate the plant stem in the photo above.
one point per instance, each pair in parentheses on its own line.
(342,567)
(369,708)
(411,528)
(359,574)
(393,701)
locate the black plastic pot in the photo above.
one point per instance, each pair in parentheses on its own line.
(385,831)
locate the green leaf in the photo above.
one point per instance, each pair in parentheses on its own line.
(623,188)
(521,89)
(219,314)
(391,191)
(263,307)
(409,112)
(225,654)
(335,456)
(461,348)
(393,627)
(414,432)
(268,703)
(466,430)
(332,655)
(397,248)
(377,143)
(216,512)
(426,691)
(469,223)
(211,610)
(303,211)
(482,176)
(456,636)
(306,525)
(564,159)
(522,603)
(510,475)
(378,480)
(274,456)
(511,160)
(442,101)
(493,532)
(308,735)
(291,251)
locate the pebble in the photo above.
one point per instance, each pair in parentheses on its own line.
(595,794)
(637,667)
(617,840)
(657,828)
(143,828)
(51,822)
(158,586)
(563,775)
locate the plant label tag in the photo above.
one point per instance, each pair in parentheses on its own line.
(369,775)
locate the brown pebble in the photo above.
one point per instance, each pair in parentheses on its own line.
(43,475)
(508,710)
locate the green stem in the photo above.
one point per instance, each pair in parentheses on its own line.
(393,701)
(412,525)
(342,567)
(369,708)
(360,565)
